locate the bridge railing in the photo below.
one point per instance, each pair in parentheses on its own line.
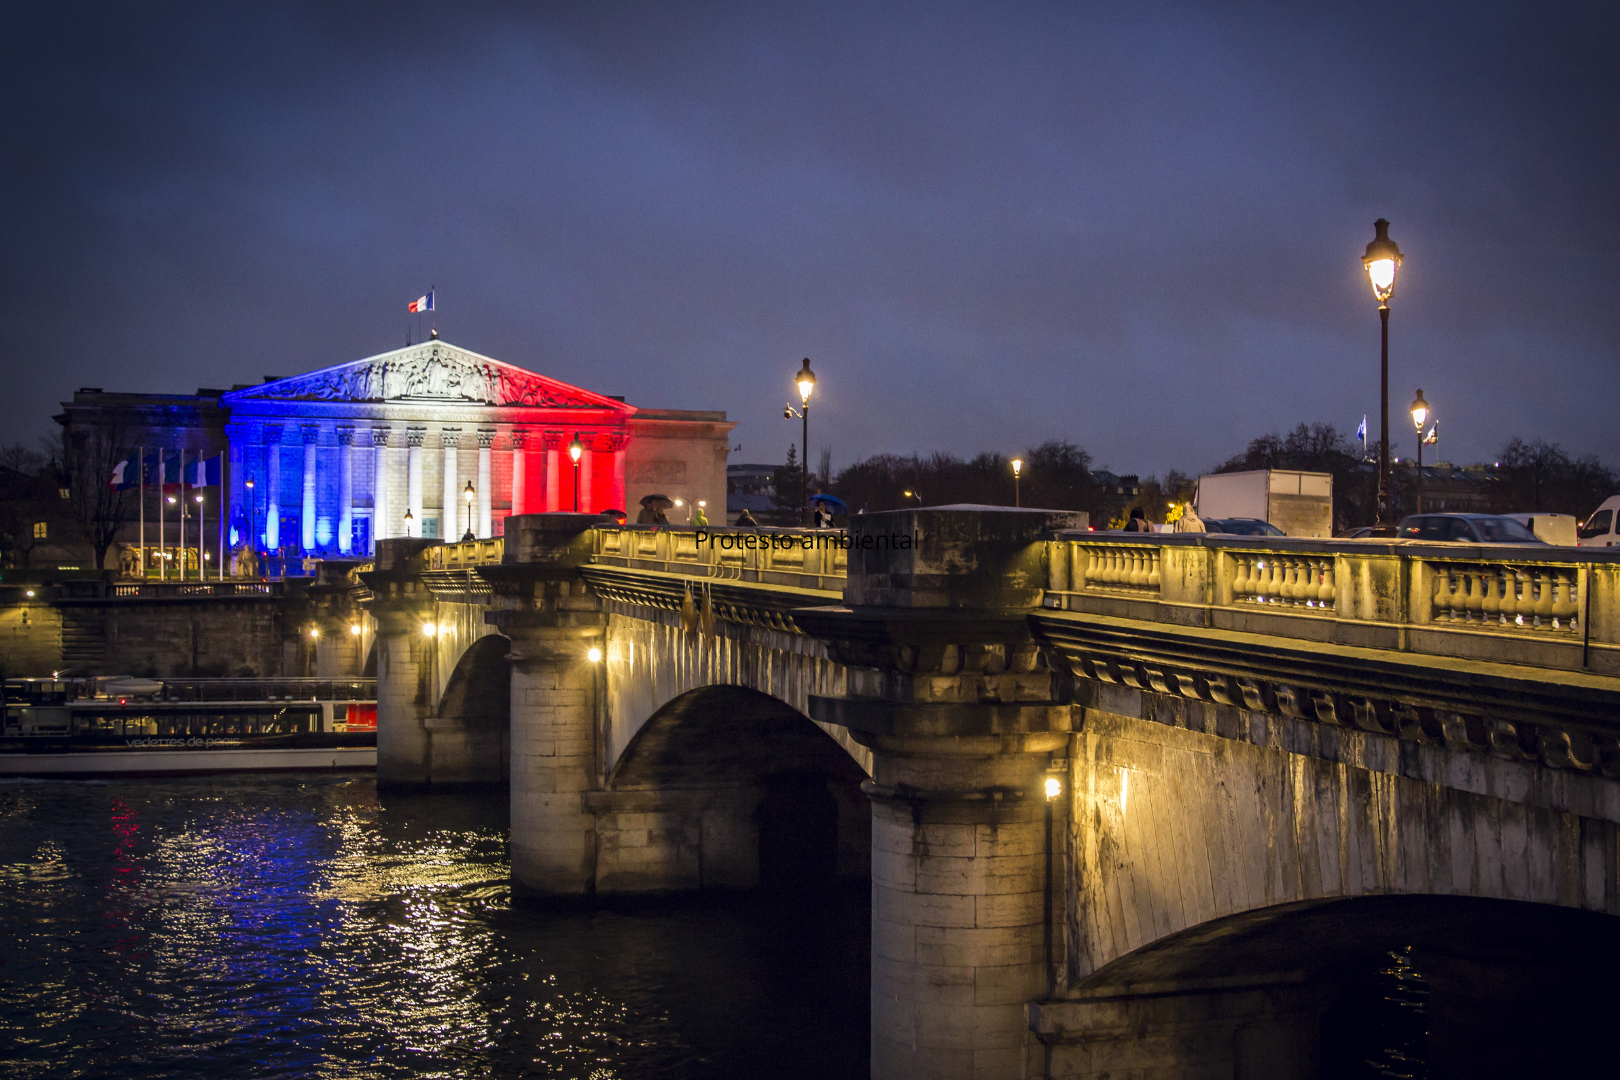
(161,590)
(465,553)
(800,558)
(1548,606)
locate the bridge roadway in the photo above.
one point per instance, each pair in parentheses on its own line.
(1131,805)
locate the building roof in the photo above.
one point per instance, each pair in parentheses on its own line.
(433,372)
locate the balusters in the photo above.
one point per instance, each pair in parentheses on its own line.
(1475,601)
(1153,577)
(1442,593)
(1242,584)
(1544,600)
(1491,603)
(1328,594)
(1564,605)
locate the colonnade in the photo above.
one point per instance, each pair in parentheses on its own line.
(402,456)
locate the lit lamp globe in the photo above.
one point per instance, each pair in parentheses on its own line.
(806,379)
(576,449)
(1383,261)
(1420,412)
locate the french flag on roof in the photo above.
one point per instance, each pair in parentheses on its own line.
(422,303)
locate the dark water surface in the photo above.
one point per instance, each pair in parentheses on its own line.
(297,926)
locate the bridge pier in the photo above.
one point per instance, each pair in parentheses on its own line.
(961,902)
(402,606)
(555,755)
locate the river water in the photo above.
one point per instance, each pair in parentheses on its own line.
(303,926)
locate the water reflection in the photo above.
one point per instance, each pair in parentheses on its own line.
(288,926)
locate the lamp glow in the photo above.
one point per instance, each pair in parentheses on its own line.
(354,628)
(430,629)
(314,632)
(595,655)
(1383,261)
(806,380)
(1420,411)
(1054,787)
(576,449)
(468,492)
(1018,465)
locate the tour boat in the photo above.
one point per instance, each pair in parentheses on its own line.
(81,728)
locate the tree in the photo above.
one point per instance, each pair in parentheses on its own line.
(98,511)
(1056,476)
(787,484)
(1542,476)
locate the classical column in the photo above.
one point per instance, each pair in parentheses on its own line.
(345,529)
(379,487)
(585,500)
(552,441)
(520,472)
(272,485)
(413,477)
(486,437)
(617,442)
(450,516)
(306,509)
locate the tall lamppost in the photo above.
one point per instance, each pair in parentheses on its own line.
(467,496)
(1018,467)
(806,380)
(1420,414)
(409,518)
(1382,260)
(576,450)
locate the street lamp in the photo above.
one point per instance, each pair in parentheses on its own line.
(253,515)
(908,493)
(1420,414)
(467,496)
(576,450)
(409,517)
(1383,260)
(806,382)
(1018,467)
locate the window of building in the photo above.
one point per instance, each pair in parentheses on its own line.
(39,530)
(65,493)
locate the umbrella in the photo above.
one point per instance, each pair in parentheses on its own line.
(833,502)
(658,502)
(620,514)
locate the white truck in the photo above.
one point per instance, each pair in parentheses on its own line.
(1298,503)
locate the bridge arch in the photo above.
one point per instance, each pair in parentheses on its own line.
(729,787)
(471,723)
(1321,987)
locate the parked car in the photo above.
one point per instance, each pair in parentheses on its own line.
(1466,528)
(1240,526)
(1357,534)
(1602,529)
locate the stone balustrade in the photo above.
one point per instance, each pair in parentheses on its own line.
(800,558)
(1544,606)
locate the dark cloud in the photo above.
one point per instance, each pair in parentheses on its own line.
(1133,226)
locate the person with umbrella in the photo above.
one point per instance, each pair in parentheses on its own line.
(652,510)
(825,506)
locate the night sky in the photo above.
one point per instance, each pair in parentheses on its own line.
(1135,227)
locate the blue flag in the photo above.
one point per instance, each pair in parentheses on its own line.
(1361,432)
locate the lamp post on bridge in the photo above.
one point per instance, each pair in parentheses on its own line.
(1382,260)
(1420,414)
(467,497)
(806,381)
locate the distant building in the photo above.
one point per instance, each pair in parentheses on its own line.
(752,488)
(327,463)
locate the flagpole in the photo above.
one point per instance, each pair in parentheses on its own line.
(180,548)
(222,515)
(163,532)
(140,472)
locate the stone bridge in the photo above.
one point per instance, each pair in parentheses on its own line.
(1130,805)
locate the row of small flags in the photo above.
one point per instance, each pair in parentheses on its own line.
(154,468)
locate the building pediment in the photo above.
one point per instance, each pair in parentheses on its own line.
(432,372)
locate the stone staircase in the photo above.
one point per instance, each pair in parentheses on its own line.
(84,643)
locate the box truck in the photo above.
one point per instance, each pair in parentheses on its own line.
(1298,503)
